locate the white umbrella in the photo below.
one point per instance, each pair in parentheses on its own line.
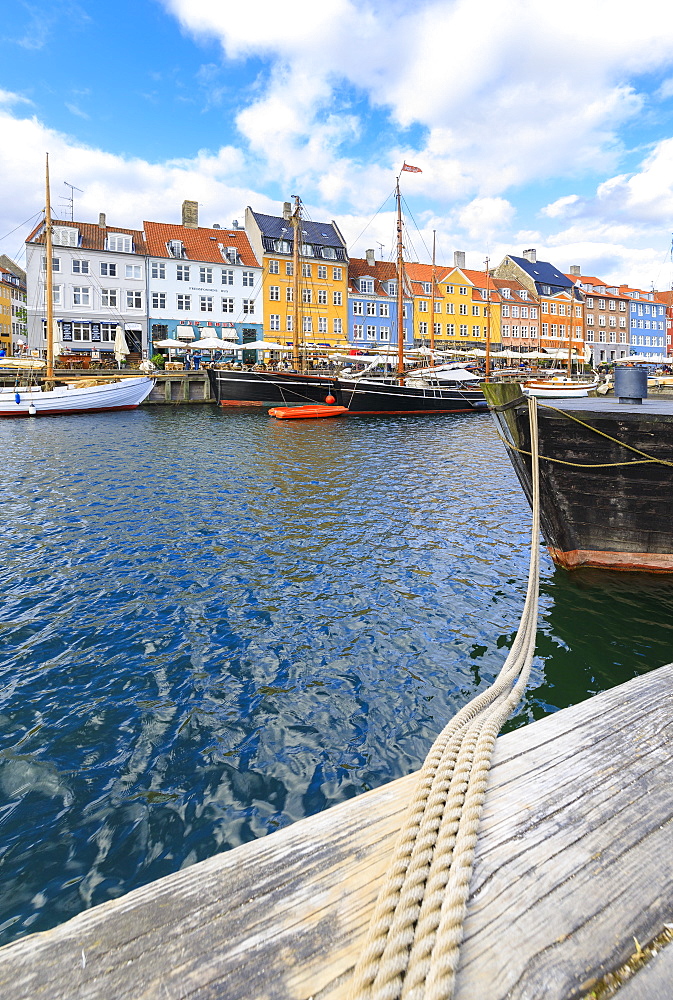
(121,347)
(210,344)
(263,345)
(169,344)
(57,340)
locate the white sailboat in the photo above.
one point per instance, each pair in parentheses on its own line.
(83,395)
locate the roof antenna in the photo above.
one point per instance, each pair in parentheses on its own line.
(71,200)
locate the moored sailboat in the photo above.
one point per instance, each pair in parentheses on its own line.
(87,395)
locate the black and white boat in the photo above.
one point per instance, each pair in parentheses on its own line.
(236,387)
(425,391)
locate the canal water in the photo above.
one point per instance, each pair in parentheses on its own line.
(214,624)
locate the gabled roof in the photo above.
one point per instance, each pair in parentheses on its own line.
(200,244)
(382,271)
(324,234)
(92,236)
(542,272)
(594,282)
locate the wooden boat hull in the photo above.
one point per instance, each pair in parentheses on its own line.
(595,510)
(389,399)
(247,388)
(307,412)
(126,394)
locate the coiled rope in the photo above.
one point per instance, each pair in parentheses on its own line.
(412,944)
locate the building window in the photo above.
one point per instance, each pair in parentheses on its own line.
(384,309)
(450,329)
(289,267)
(371,308)
(438,308)
(183,272)
(80,267)
(274,268)
(282,246)
(384,333)
(184,303)
(358,331)
(475,331)
(288,324)
(322,272)
(289,294)
(422,329)
(338,299)
(450,308)
(463,330)
(134,300)
(337,326)
(57,294)
(206,303)
(158,269)
(206,275)
(274,293)
(248,279)
(423,306)
(81,295)
(463,290)
(307,295)
(306,270)
(449,289)
(308,324)
(274,321)
(66,237)
(601,303)
(322,297)
(158,300)
(55,264)
(366,286)
(601,320)
(120,243)
(371,333)
(328,252)
(227,276)
(358,309)
(437,327)
(505,330)
(322,324)
(81,331)
(134,271)
(336,273)
(227,305)
(108,297)
(463,309)
(248,306)
(176,248)
(475,310)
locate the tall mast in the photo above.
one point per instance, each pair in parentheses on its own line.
(400,289)
(49,279)
(432,300)
(488,320)
(296,225)
(570,331)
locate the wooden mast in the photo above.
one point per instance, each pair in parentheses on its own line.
(400,288)
(432,299)
(49,292)
(296,226)
(488,320)
(569,369)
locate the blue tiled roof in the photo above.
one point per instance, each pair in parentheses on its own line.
(321,233)
(543,273)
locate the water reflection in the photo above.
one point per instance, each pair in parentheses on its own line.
(215,624)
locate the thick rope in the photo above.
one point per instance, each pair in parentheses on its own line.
(411,949)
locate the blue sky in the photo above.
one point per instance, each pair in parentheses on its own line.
(531,130)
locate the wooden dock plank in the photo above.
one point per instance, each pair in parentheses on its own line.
(575,858)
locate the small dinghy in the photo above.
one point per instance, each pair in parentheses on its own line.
(307,412)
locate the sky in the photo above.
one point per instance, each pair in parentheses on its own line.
(535,126)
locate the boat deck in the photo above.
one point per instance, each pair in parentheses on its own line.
(610,405)
(573,875)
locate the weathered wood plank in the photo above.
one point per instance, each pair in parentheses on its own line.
(575,858)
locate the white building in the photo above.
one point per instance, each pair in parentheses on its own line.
(100,282)
(202,281)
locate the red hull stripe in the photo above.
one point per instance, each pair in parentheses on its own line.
(65,413)
(642,562)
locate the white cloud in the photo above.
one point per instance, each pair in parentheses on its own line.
(483,217)
(8,98)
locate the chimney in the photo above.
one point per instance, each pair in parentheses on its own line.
(370,257)
(530,256)
(216,225)
(459,258)
(101,220)
(235,224)
(575,269)
(190,214)
(287,211)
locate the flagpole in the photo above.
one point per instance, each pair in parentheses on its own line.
(400,289)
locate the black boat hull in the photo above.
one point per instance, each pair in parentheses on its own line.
(606,508)
(387,398)
(248,388)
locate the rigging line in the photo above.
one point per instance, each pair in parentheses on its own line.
(411,216)
(34,216)
(374,216)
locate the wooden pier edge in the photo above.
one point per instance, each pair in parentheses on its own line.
(574,862)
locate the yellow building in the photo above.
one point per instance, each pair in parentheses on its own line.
(463,301)
(5,311)
(322,281)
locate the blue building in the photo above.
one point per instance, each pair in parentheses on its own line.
(372,305)
(647,324)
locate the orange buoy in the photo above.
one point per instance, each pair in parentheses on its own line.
(330,400)
(307,412)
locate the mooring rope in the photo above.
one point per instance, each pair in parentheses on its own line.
(412,944)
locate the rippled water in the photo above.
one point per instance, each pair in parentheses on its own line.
(216,623)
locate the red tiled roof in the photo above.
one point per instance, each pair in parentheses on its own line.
(200,244)
(92,236)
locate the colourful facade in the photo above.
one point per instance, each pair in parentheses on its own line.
(323,279)
(372,304)
(5,311)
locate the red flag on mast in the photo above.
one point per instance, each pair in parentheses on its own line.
(412,170)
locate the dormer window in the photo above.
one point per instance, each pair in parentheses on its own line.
(546,289)
(65,237)
(329,253)
(392,288)
(505,292)
(119,242)
(232,255)
(523,294)
(427,290)
(282,246)
(176,248)
(367,285)
(307,250)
